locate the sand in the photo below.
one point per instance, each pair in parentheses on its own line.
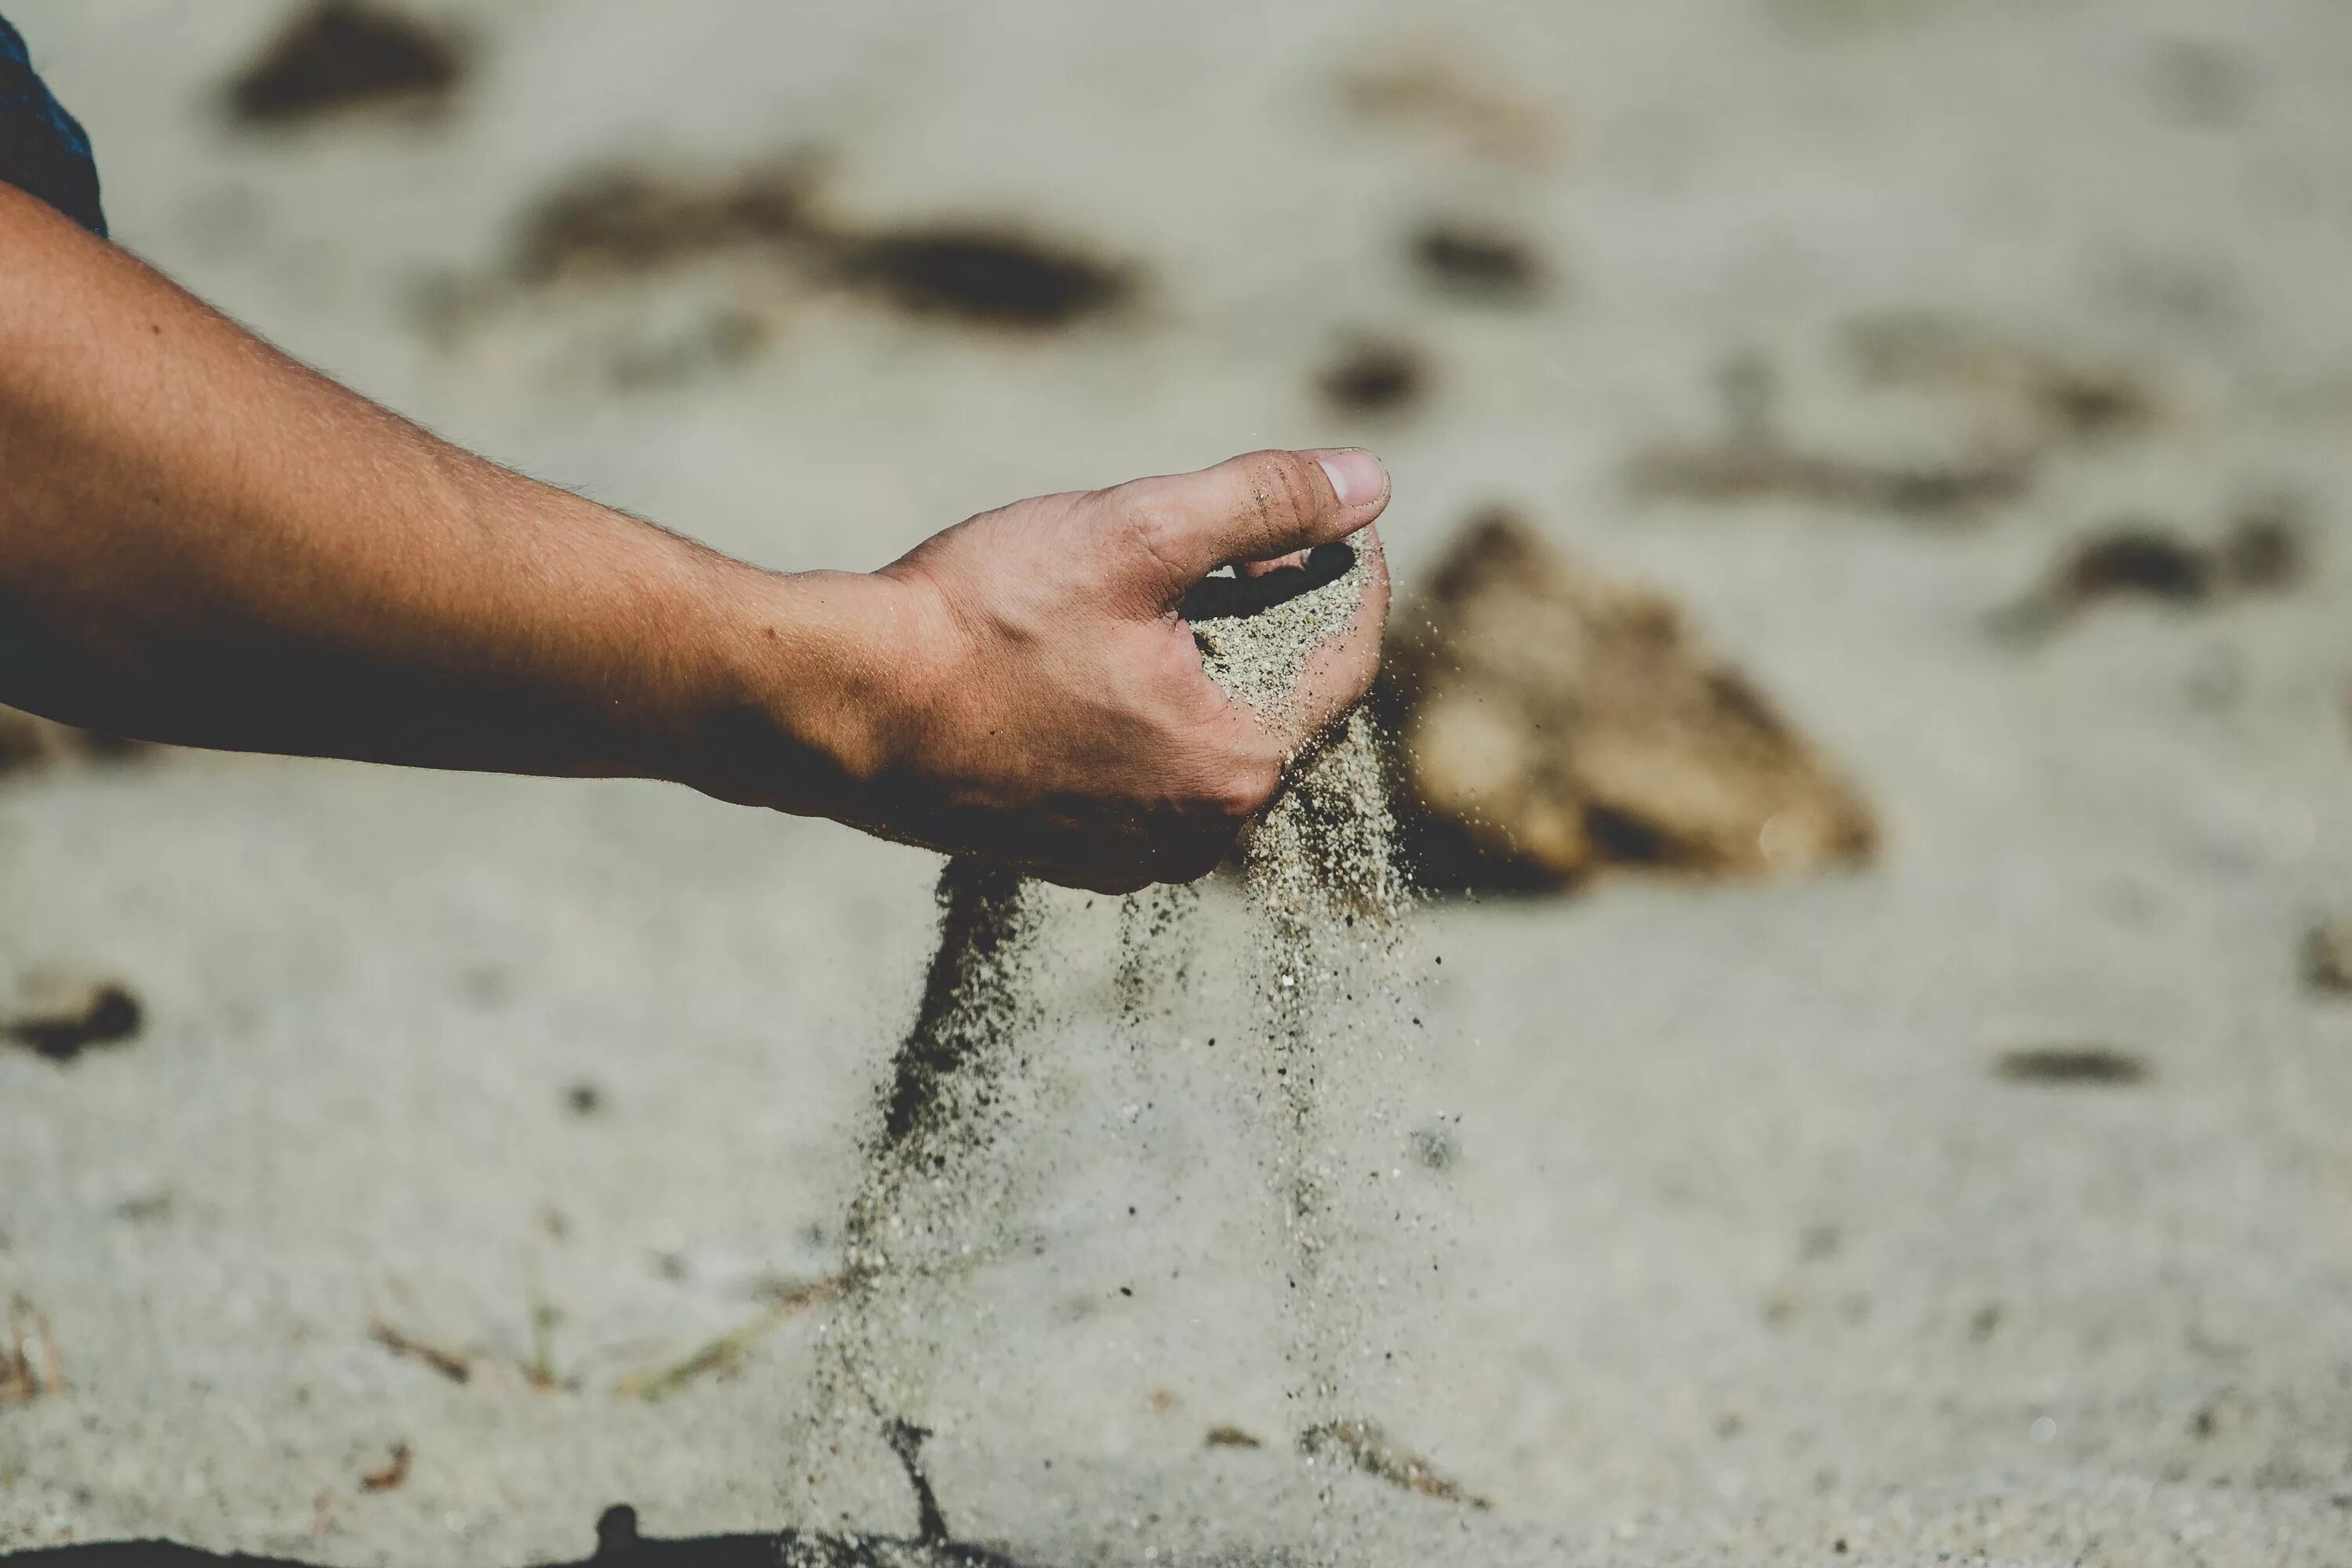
(936,1196)
(1326,889)
(1748,1245)
(959,1119)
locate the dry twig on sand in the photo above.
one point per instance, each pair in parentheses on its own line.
(720,1353)
(390,1476)
(455,1366)
(30,1366)
(1367,1448)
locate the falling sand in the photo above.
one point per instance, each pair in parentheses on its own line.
(940,1194)
(1322,878)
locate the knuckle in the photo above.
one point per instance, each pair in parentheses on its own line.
(1156,531)
(1247,789)
(1287,495)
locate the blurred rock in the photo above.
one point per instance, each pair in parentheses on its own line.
(342,54)
(2267,547)
(660,273)
(1425,83)
(2007,404)
(2327,957)
(2072,1064)
(1738,469)
(624,219)
(2027,396)
(2264,550)
(1752,459)
(59,1016)
(1480,262)
(632,219)
(992,274)
(2133,557)
(1375,376)
(1553,724)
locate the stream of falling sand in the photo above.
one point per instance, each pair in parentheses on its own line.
(1322,880)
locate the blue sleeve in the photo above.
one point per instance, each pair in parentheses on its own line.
(43,150)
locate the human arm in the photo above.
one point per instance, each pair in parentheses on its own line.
(202,542)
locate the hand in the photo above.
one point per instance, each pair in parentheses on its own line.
(1051,707)
(202,542)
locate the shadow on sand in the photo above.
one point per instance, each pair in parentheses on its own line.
(618,1545)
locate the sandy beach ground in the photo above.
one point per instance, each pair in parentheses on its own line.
(1733,1239)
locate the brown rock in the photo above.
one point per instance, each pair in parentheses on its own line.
(342,53)
(1553,724)
(59,1016)
(2327,956)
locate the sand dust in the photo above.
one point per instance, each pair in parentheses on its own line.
(942,1187)
(936,1192)
(1323,881)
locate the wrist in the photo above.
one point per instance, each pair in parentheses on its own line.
(827,675)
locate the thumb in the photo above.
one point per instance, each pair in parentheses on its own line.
(1250,507)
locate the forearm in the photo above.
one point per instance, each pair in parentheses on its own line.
(202,542)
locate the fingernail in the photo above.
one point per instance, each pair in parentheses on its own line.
(1356,475)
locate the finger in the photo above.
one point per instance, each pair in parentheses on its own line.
(1252,508)
(1341,669)
(1291,561)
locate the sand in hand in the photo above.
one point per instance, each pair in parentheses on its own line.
(940,1189)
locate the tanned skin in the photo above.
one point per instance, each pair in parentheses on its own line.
(204,542)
